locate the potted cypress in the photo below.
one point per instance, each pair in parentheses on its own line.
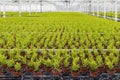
(93,68)
(56,63)
(3,61)
(24,62)
(28,54)
(75,69)
(66,64)
(41,62)
(10,64)
(84,66)
(100,64)
(56,68)
(30,66)
(116,63)
(17,71)
(36,68)
(48,65)
(110,69)
(18,57)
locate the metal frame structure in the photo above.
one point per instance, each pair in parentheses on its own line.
(86,6)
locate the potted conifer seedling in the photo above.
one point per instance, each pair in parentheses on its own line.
(48,65)
(75,69)
(24,62)
(17,71)
(56,68)
(116,63)
(84,66)
(3,61)
(110,69)
(10,64)
(100,64)
(36,69)
(93,68)
(66,64)
(30,66)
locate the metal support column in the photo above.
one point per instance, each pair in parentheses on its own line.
(29,7)
(20,11)
(97,8)
(104,8)
(116,10)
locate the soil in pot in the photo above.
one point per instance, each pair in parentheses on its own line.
(48,69)
(4,67)
(101,69)
(56,73)
(30,69)
(83,69)
(17,73)
(24,65)
(65,70)
(75,73)
(41,66)
(1,72)
(117,70)
(111,72)
(94,73)
(37,73)
(11,69)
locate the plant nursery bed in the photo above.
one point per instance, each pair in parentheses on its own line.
(66,46)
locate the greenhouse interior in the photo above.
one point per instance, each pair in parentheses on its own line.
(59,39)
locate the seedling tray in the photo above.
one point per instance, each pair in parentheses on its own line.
(49,76)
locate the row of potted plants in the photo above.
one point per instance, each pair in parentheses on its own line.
(108,14)
(60,40)
(66,30)
(76,62)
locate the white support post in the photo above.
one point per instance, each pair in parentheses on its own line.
(69,6)
(93,11)
(90,7)
(4,9)
(116,10)
(20,11)
(85,8)
(97,8)
(29,7)
(36,7)
(41,6)
(104,8)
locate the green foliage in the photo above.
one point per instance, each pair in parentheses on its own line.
(10,63)
(99,61)
(17,66)
(110,65)
(48,63)
(85,63)
(66,62)
(30,64)
(75,66)
(73,32)
(3,59)
(36,66)
(93,65)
